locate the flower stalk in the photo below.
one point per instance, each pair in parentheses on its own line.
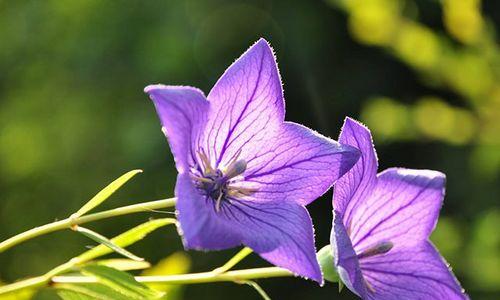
(193,278)
(234,260)
(72,221)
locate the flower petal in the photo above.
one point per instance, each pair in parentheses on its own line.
(200,226)
(246,105)
(297,165)
(345,258)
(417,272)
(183,113)
(355,185)
(281,233)
(403,209)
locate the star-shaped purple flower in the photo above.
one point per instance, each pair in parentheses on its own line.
(245,174)
(381,228)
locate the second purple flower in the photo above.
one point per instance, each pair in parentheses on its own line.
(245,174)
(381,228)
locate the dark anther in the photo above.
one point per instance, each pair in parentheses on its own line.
(380,248)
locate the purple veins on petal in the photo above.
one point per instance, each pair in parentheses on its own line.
(381,228)
(244,173)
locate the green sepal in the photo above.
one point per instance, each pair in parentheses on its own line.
(325,259)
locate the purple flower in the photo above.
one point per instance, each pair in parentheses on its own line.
(245,174)
(381,228)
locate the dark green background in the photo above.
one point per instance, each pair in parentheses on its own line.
(73,117)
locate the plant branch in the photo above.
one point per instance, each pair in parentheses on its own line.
(127,238)
(69,222)
(193,278)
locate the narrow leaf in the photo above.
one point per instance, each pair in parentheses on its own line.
(127,238)
(124,264)
(106,242)
(258,288)
(87,291)
(105,193)
(121,282)
(71,295)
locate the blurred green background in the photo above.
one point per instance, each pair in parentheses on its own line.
(424,75)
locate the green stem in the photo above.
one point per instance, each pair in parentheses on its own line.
(239,276)
(67,223)
(234,260)
(194,278)
(38,281)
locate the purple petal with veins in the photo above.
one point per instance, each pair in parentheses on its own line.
(381,228)
(244,173)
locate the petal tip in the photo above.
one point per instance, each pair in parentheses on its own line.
(351,157)
(358,135)
(264,46)
(320,280)
(159,88)
(262,42)
(355,124)
(316,276)
(150,88)
(431,174)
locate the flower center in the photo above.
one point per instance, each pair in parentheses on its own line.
(217,184)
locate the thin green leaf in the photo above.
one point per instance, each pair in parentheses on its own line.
(258,288)
(106,242)
(124,264)
(121,282)
(71,295)
(127,238)
(87,291)
(105,193)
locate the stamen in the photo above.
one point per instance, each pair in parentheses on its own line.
(380,248)
(217,203)
(201,179)
(207,168)
(234,191)
(236,168)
